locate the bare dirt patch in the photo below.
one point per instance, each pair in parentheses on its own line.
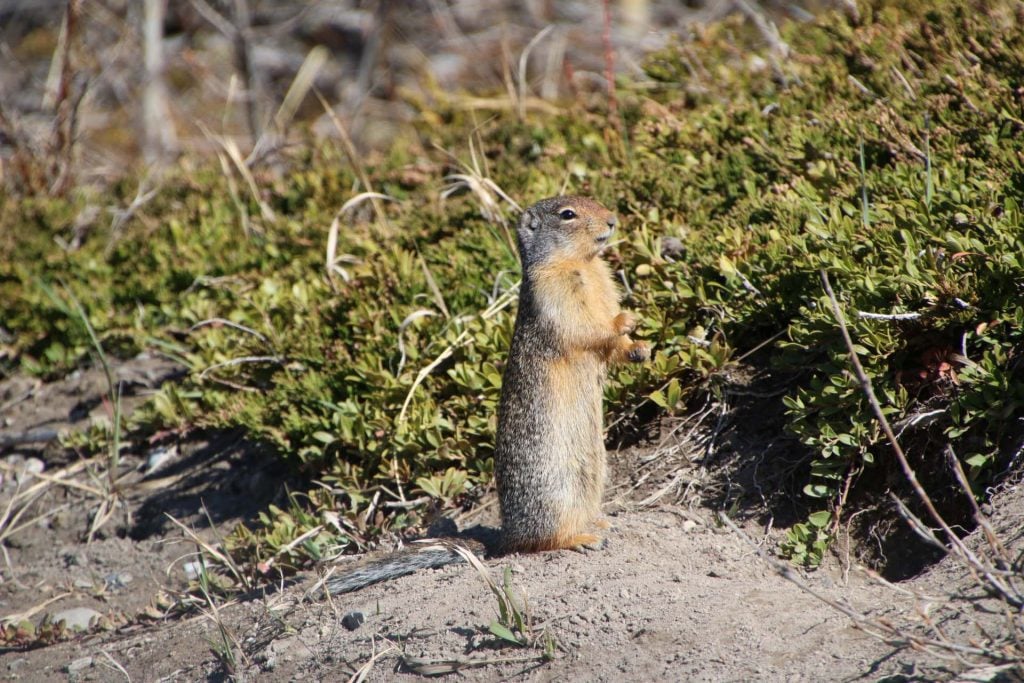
(674,595)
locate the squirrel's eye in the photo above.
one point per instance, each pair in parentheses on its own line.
(567,214)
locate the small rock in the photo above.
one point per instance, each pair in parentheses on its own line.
(24,468)
(672,248)
(34,466)
(353,620)
(158,458)
(16,664)
(83,584)
(78,665)
(689,525)
(77,618)
(76,559)
(267,659)
(192,569)
(117,580)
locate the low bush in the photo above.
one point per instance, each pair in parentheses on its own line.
(887,151)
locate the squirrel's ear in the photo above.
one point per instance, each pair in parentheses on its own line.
(528,225)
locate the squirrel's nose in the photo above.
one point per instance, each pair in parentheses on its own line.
(612,221)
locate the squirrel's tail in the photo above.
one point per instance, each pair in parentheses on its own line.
(429,555)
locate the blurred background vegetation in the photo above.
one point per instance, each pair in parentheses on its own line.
(148,79)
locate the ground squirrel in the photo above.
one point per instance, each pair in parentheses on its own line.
(549,455)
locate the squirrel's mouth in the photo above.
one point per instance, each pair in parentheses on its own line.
(604,237)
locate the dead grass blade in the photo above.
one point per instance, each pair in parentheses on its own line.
(475,178)
(66,104)
(332,259)
(114,665)
(435,291)
(363,671)
(425,666)
(231,147)
(210,550)
(143,195)
(352,155)
(524,58)
(231,163)
(27,614)
(409,319)
(300,86)
(464,337)
(288,547)
(507,104)
(230,323)
(21,501)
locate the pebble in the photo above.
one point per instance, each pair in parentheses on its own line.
(78,665)
(34,466)
(672,247)
(75,559)
(353,620)
(76,617)
(192,569)
(158,458)
(117,580)
(24,468)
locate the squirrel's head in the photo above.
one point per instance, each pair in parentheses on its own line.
(574,227)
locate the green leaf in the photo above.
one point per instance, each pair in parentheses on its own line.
(503,632)
(820,519)
(818,490)
(978,461)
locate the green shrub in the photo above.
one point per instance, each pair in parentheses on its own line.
(889,153)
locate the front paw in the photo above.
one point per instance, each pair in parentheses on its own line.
(639,352)
(624,323)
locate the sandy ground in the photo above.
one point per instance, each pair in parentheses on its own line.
(673,596)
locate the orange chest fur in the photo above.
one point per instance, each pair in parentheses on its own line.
(576,296)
